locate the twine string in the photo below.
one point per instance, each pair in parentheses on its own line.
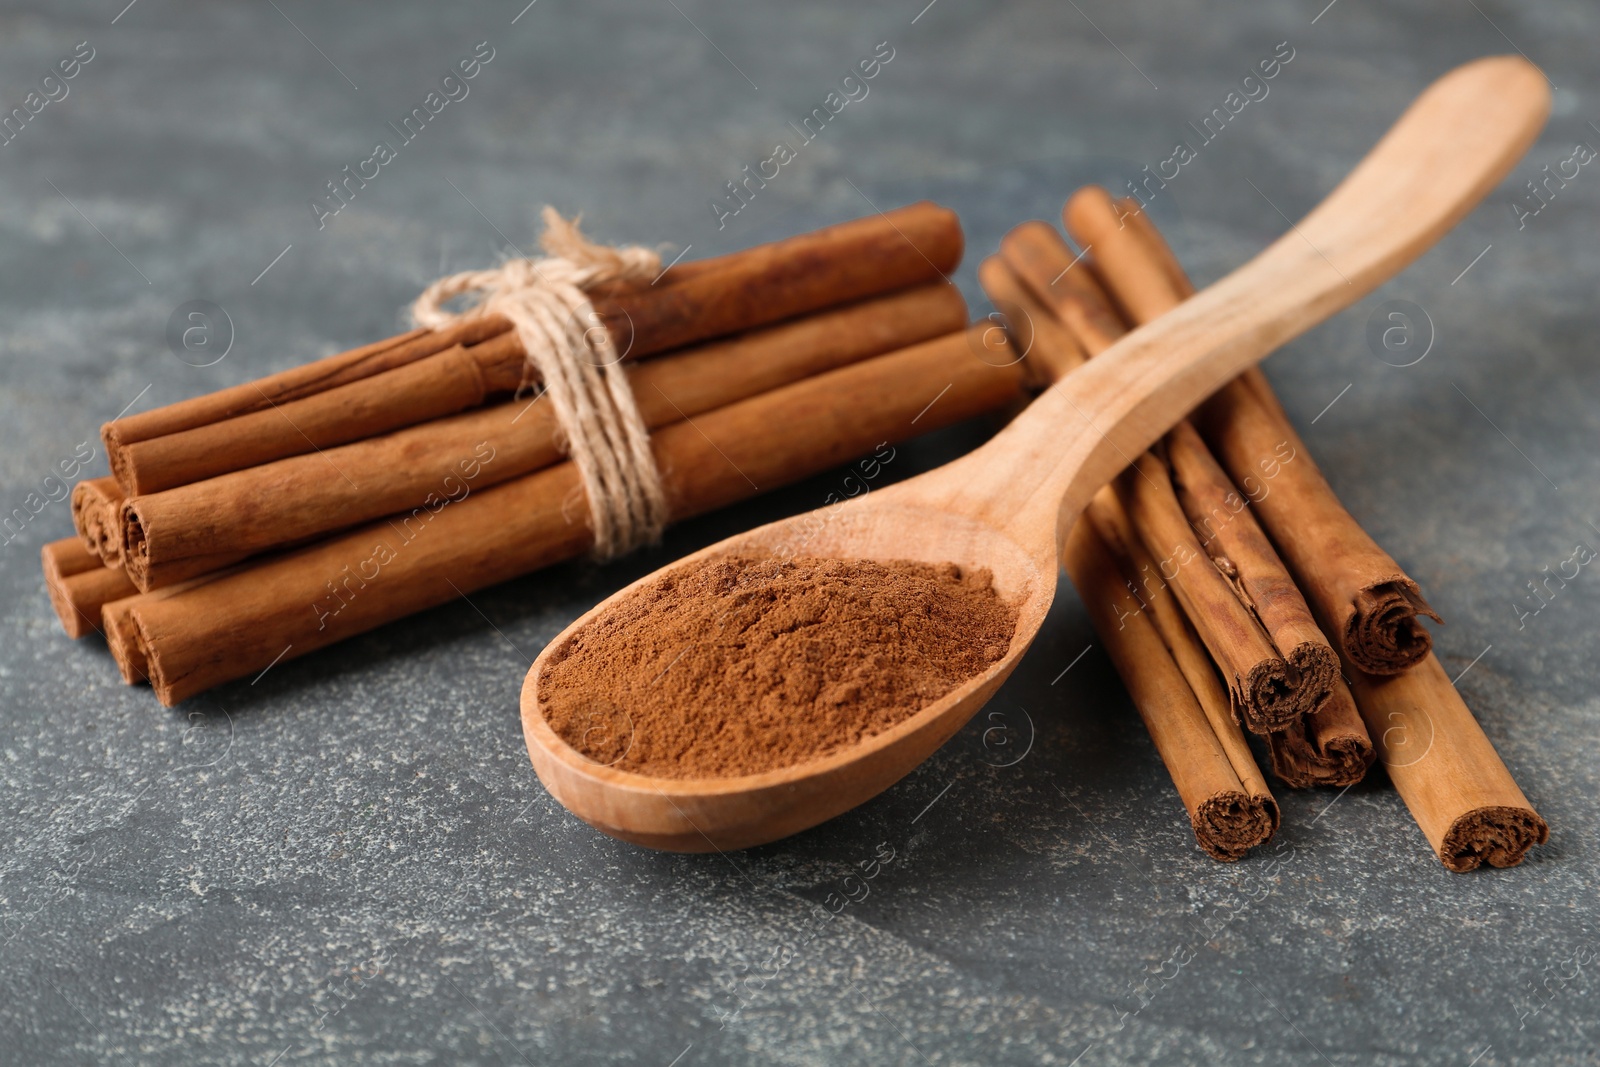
(572,357)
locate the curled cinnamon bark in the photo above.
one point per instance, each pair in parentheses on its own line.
(1445,769)
(1265,689)
(1066,285)
(96,507)
(1049,349)
(122,634)
(442,384)
(291,384)
(147,576)
(1367,605)
(1245,559)
(1228,816)
(1155,601)
(1331,746)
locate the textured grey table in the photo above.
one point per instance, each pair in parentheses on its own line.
(350,860)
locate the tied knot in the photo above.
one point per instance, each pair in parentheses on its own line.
(572,358)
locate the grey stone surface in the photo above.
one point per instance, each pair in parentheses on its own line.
(351,861)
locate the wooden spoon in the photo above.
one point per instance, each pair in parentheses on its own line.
(1006,505)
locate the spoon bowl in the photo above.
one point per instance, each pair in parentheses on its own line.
(701,814)
(1007,505)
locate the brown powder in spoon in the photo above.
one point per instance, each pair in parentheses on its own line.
(739,665)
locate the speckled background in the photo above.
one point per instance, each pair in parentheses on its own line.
(350,861)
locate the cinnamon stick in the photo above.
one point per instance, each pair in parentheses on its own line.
(1445,769)
(1269,688)
(291,384)
(271,504)
(147,576)
(79,585)
(1230,807)
(1367,605)
(1267,694)
(122,635)
(1187,650)
(303,600)
(96,507)
(1329,747)
(1050,350)
(1042,260)
(444,383)
(894,250)
(1245,558)
(1227,816)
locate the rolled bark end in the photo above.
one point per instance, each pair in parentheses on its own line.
(1271,698)
(1498,836)
(79,585)
(1384,634)
(148,575)
(139,661)
(1317,665)
(135,546)
(122,638)
(95,504)
(1228,825)
(1328,748)
(1303,760)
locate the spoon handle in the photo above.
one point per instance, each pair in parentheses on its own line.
(1449,149)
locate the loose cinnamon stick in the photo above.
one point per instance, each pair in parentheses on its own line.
(1228,817)
(1329,747)
(1367,605)
(269,505)
(1042,260)
(1050,349)
(1266,692)
(1245,558)
(1229,805)
(867,257)
(306,599)
(1269,690)
(1446,770)
(1188,651)
(79,584)
(96,507)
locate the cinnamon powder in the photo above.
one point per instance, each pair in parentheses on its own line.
(740,665)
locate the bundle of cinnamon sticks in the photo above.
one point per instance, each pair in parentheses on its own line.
(1235,593)
(269,519)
